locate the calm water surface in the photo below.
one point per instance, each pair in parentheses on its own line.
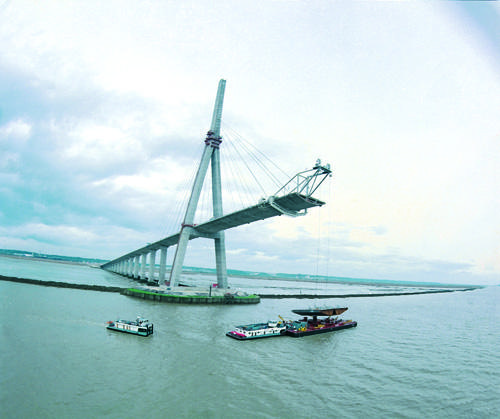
(416,356)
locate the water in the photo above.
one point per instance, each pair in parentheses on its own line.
(433,355)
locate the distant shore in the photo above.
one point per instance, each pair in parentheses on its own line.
(275,277)
(46,259)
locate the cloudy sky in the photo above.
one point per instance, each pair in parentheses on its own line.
(104,107)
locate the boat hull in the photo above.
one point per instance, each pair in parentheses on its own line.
(315,331)
(240,336)
(139,327)
(132,332)
(258,331)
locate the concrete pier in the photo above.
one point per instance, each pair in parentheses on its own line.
(190,296)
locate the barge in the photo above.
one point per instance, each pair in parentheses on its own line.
(310,324)
(140,326)
(258,330)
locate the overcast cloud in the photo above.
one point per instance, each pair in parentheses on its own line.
(104,107)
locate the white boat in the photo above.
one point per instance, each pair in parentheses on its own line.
(258,330)
(140,326)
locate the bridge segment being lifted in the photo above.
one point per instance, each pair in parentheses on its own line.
(293,199)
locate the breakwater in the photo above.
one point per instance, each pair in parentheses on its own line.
(186,298)
(378,294)
(182,298)
(61,284)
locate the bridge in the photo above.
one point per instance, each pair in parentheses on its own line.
(292,199)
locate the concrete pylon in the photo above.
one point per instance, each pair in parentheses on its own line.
(211,155)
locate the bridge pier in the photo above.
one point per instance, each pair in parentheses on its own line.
(130,267)
(152,265)
(136,267)
(142,275)
(163,265)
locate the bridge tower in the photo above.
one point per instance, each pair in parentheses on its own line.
(211,155)
(292,199)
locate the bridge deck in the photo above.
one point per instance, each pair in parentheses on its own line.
(292,203)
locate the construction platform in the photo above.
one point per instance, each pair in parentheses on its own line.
(192,295)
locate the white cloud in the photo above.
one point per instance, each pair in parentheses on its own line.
(59,233)
(17,130)
(8,159)
(101,144)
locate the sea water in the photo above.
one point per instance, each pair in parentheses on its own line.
(411,356)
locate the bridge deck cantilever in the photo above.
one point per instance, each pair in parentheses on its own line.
(293,202)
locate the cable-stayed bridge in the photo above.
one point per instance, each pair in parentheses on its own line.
(292,199)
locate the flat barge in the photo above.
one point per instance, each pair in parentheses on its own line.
(311,325)
(308,327)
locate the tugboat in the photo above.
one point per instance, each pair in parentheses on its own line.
(258,330)
(140,326)
(312,326)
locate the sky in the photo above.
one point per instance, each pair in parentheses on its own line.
(104,107)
